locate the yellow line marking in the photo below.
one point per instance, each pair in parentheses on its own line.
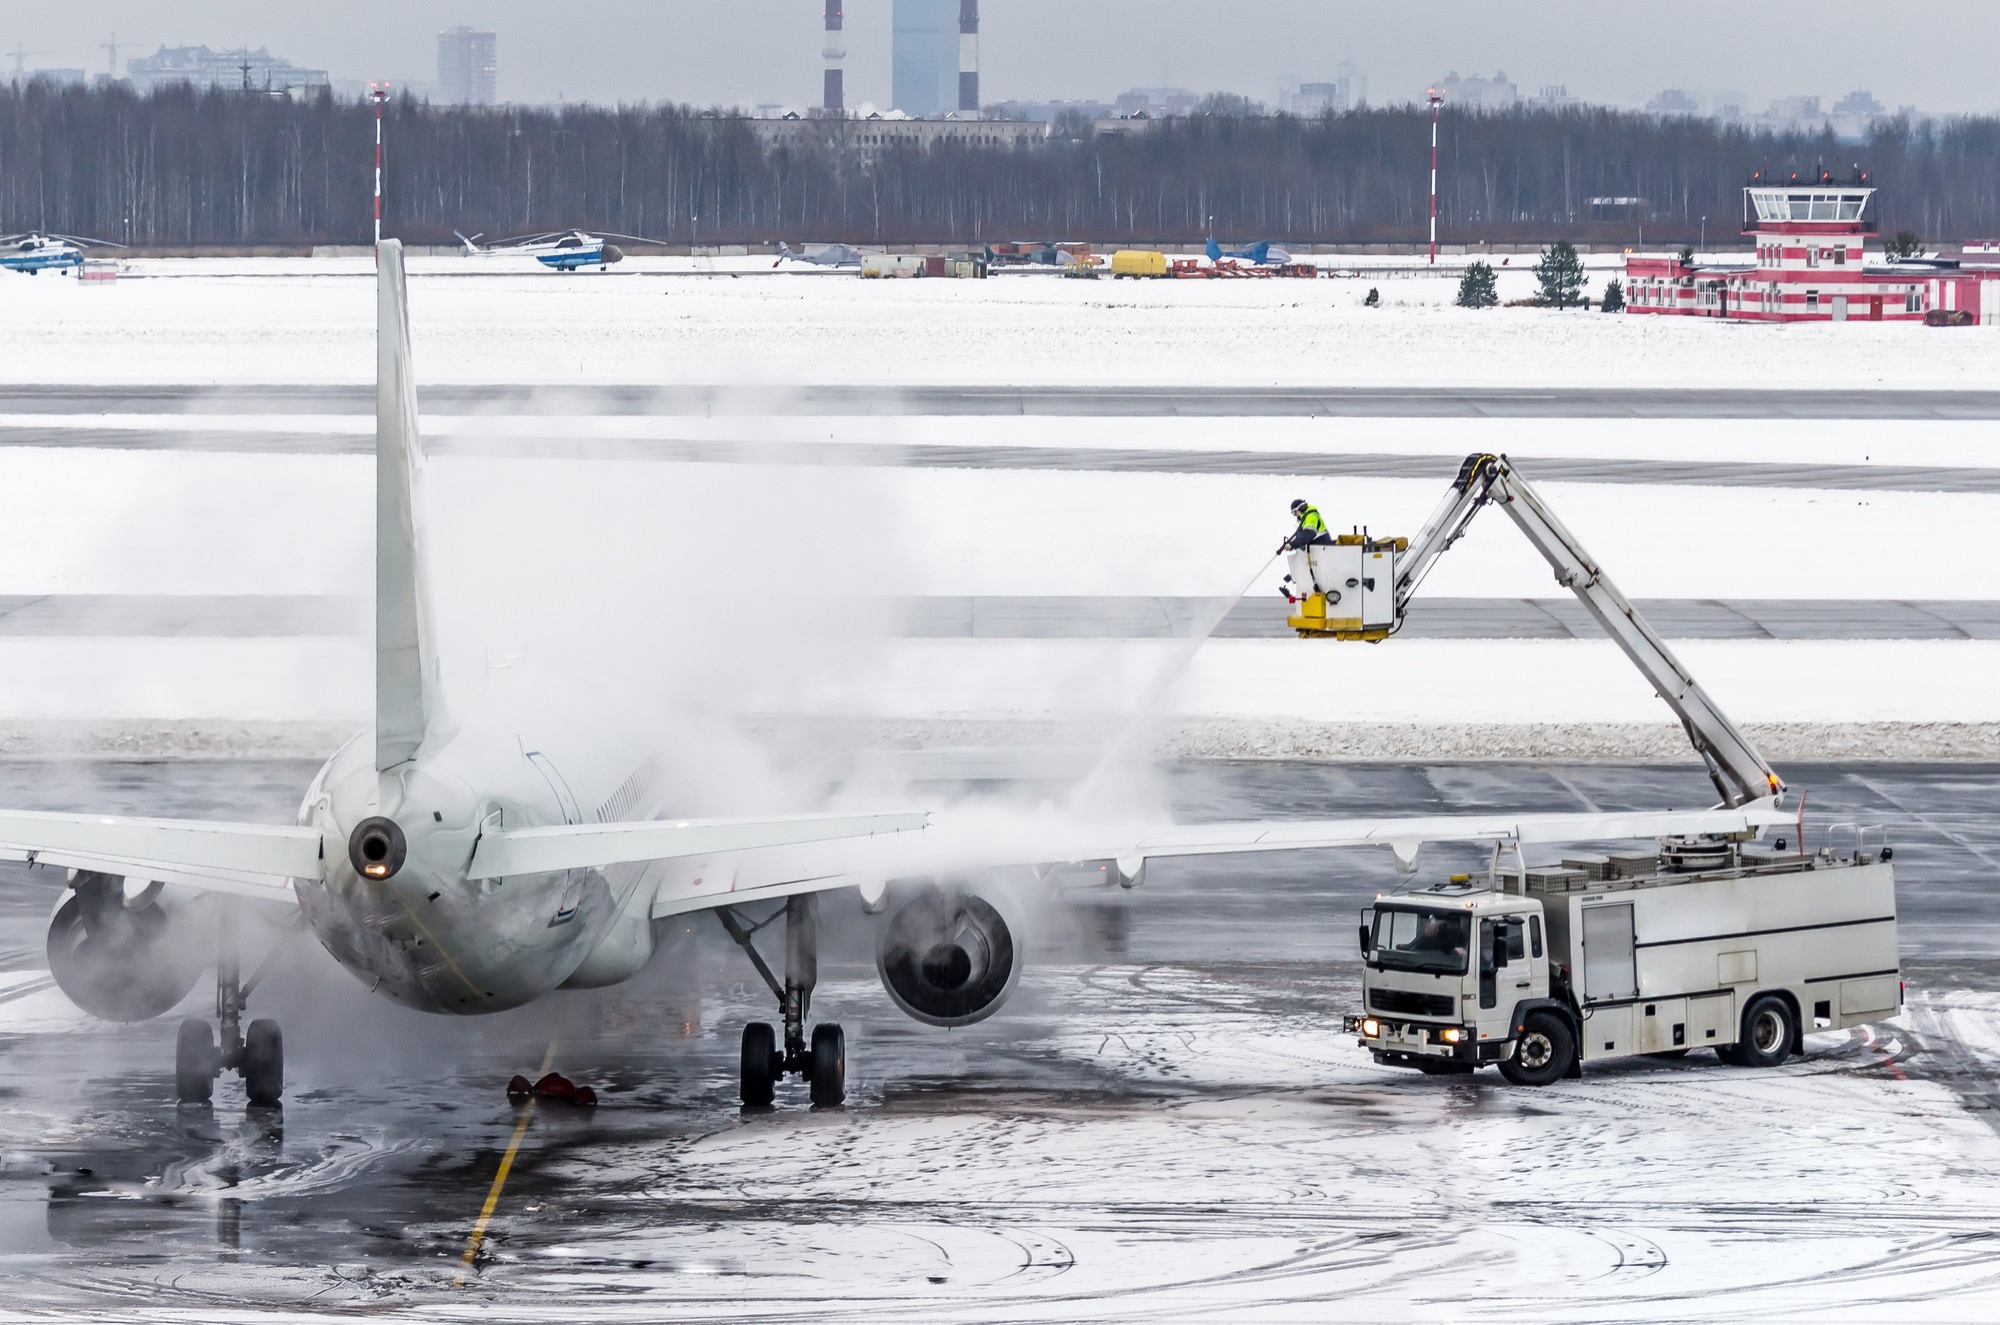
(478,1237)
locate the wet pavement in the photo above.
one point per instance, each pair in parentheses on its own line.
(1164,1122)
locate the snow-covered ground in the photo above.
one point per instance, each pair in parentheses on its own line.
(742,577)
(306,322)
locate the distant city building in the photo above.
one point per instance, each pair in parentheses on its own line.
(1475,93)
(1729,106)
(1555,96)
(257,71)
(1048,111)
(1795,112)
(1858,103)
(924,57)
(1155,102)
(1311,100)
(871,135)
(1674,101)
(468,74)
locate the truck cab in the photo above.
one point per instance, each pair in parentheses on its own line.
(1451,973)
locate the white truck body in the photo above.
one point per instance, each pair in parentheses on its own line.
(1661,962)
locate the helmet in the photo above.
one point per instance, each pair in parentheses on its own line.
(1299,505)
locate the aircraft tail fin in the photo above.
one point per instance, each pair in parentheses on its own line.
(408,700)
(1214,250)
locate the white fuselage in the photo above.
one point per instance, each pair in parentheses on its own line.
(429,937)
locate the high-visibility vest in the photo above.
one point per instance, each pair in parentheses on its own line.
(1309,520)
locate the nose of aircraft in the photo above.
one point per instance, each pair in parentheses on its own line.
(612,253)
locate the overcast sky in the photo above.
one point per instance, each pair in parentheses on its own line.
(1935,54)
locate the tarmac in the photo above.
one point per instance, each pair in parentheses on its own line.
(1165,1121)
(1401,402)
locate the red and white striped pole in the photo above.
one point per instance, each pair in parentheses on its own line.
(379,92)
(1436,100)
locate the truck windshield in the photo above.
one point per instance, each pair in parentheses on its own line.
(1411,940)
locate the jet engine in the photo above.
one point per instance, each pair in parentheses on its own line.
(125,957)
(949,956)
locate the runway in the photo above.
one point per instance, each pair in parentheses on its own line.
(1165,1120)
(1120,460)
(996,617)
(1422,402)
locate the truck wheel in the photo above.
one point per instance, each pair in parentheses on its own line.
(1768,1032)
(1544,1054)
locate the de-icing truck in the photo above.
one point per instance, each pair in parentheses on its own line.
(1706,942)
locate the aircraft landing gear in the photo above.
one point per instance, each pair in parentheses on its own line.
(823,1061)
(257,1053)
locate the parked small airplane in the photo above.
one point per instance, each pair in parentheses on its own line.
(457,868)
(1263,253)
(33,253)
(561,250)
(823,255)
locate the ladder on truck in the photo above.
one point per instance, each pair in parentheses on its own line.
(1361,588)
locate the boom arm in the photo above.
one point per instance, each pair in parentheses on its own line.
(1739,772)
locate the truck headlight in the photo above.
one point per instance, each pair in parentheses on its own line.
(1451,1035)
(1371,1027)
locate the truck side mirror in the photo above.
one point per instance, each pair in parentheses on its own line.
(1499,947)
(1365,945)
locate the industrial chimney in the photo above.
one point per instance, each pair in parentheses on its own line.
(836,55)
(968,55)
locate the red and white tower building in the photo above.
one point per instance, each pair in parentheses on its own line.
(1810,264)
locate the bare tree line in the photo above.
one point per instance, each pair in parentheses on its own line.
(181,167)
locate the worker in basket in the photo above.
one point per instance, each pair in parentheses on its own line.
(1311,530)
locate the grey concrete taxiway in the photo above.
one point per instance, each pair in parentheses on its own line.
(1152,1124)
(1401,402)
(1081,617)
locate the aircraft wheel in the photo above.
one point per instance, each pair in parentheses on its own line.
(194,1062)
(759,1064)
(264,1063)
(829,1066)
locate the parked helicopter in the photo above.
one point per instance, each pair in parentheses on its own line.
(38,252)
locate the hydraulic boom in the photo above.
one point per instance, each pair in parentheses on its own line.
(1740,773)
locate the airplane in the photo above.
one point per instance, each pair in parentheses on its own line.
(561,250)
(826,255)
(1260,254)
(34,253)
(458,867)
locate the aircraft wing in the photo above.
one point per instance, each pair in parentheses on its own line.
(254,860)
(1406,835)
(1046,846)
(589,846)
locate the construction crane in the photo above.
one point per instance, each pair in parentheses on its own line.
(1358,588)
(20,55)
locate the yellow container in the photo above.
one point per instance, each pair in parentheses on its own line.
(1137,263)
